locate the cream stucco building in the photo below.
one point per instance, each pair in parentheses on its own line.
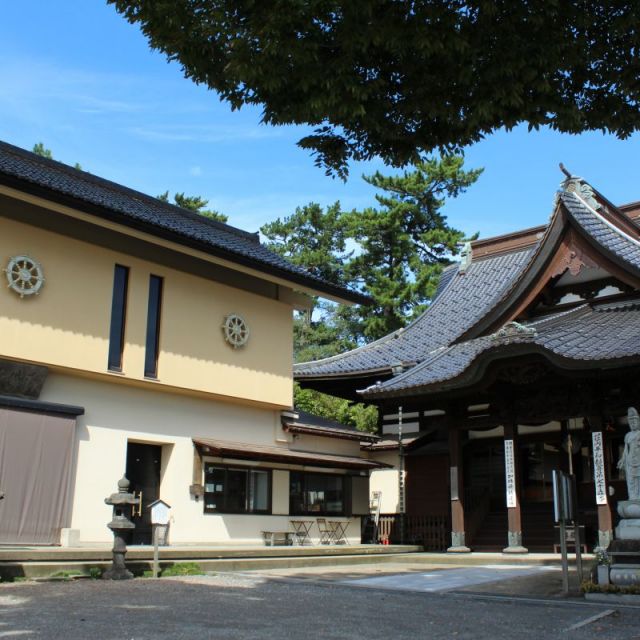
(139,338)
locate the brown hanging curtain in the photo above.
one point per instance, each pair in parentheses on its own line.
(36,466)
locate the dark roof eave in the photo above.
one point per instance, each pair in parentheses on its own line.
(27,186)
(40,406)
(341,375)
(344,434)
(476,368)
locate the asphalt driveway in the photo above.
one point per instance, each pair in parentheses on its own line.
(256,606)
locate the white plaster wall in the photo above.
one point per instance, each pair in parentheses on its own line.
(386,480)
(315,444)
(280,492)
(117,413)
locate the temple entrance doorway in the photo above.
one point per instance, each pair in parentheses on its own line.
(143,472)
(485,507)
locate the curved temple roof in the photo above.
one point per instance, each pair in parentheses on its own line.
(454,330)
(605,333)
(464,299)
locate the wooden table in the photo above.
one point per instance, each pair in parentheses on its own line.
(338,530)
(302,530)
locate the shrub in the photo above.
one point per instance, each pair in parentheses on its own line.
(95,573)
(591,587)
(182,569)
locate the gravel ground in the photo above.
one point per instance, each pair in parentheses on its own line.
(253,606)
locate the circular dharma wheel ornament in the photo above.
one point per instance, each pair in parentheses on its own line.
(24,275)
(236,331)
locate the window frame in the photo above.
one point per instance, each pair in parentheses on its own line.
(152,336)
(118,321)
(305,511)
(249,472)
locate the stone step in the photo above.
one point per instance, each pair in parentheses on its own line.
(44,569)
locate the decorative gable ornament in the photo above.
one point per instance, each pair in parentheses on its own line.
(514,332)
(466,257)
(24,276)
(235,330)
(583,190)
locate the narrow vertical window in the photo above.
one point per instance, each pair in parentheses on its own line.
(153,327)
(118,316)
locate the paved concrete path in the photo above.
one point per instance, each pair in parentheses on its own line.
(452,579)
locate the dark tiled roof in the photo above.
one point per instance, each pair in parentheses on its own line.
(462,299)
(312,424)
(613,240)
(602,332)
(56,181)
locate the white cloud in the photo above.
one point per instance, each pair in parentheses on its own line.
(201,133)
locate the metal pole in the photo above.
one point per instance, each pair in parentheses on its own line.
(576,522)
(570,447)
(560,510)
(565,560)
(401,475)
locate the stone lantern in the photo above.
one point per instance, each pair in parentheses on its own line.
(120,525)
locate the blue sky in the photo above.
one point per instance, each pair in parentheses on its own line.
(78,77)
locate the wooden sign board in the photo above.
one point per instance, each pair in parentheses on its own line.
(598,468)
(510,474)
(159,512)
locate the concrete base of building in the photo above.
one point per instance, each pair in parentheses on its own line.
(398,555)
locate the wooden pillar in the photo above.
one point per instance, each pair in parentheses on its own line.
(512,480)
(598,444)
(458,543)
(196,489)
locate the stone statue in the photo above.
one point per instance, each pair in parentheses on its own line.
(630,461)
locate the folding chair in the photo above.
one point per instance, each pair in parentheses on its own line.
(326,533)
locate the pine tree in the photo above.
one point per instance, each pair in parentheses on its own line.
(194,203)
(405,241)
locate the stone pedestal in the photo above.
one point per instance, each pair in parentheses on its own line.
(458,543)
(629,526)
(625,562)
(625,575)
(514,538)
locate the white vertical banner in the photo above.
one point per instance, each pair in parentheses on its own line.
(510,474)
(598,468)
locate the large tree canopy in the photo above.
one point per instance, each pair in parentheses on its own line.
(395,78)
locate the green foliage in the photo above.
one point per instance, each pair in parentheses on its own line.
(312,238)
(41,150)
(405,241)
(588,586)
(362,417)
(66,575)
(325,332)
(402,245)
(95,573)
(194,203)
(399,79)
(182,569)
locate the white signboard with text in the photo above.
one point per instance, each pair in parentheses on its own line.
(598,468)
(510,473)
